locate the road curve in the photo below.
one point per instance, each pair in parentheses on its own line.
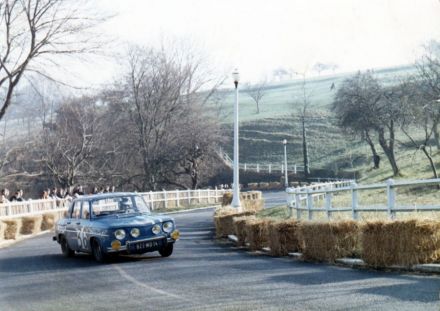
(201,275)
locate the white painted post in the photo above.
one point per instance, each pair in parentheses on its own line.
(177,198)
(216,195)
(189,197)
(165,199)
(258,168)
(54,204)
(309,204)
(328,202)
(151,201)
(298,203)
(294,169)
(270,168)
(391,198)
(199,196)
(245,167)
(282,168)
(8,209)
(354,201)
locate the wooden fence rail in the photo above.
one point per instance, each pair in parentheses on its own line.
(304,199)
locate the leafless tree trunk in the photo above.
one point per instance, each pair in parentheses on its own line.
(257,92)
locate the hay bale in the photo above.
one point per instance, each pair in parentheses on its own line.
(256,233)
(327,241)
(282,237)
(240,228)
(28,225)
(224,224)
(253,185)
(275,185)
(264,185)
(48,222)
(11,229)
(227,198)
(400,242)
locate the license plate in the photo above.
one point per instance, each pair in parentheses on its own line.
(146,245)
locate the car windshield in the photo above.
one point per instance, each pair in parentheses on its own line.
(119,205)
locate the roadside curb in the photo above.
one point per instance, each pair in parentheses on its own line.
(355,262)
(190,210)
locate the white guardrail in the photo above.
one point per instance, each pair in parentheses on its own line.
(304,199)
(156,200)
(271,168)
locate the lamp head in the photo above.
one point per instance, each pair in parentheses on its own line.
(236,76)
(285,142)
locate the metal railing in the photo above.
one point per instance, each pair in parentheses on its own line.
(304,199)
(156,200)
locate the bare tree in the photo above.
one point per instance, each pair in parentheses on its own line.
(257,92)
(33,32)
(69,148)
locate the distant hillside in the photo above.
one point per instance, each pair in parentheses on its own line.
(261,134)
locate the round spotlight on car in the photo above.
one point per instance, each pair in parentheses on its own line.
(168,226)
(156,229)
(135,232)
(120,234)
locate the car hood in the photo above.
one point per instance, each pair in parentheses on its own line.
(113,221)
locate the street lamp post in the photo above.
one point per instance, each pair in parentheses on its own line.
(286,180)
(236,191)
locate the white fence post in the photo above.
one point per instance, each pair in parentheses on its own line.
(199,195)
(294,169)
(165,199)
(245,167)
(391,198)
(189,197)
(258,168)
(354,200)
(309,204)
(282,168)
(8,209)
(328,202)
(177,198)
(151,200)
(216,195)
(270,168)
(298,203)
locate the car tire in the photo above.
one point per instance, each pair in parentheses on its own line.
(167,250)
(97,252)
(65,248)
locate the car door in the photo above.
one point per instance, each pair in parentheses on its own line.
(83,227)
(72,226)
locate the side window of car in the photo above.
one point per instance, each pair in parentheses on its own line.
(76,209)
(85,214)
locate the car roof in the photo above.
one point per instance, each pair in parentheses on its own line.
(102,196)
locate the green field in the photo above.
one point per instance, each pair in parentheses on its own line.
(261,134)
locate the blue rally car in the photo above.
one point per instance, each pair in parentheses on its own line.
(114,223)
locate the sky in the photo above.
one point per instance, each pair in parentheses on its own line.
(258,36)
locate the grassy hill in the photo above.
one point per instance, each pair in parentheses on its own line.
(261,134)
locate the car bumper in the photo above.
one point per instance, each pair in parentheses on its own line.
(127,247)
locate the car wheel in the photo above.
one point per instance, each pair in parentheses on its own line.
(97,252)
(167,250)
(65,249)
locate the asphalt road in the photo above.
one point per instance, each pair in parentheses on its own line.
(274,198)
(201,275)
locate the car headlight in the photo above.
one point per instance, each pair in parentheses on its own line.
(156,229)
(168,226)
(120,234)
(135,232)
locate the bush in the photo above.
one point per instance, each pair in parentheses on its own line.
(327,241)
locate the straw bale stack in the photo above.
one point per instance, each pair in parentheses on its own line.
(10,232)
(282,237)
(48,222)
(256,233)
(240,228)
(402,242)
(327,241)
